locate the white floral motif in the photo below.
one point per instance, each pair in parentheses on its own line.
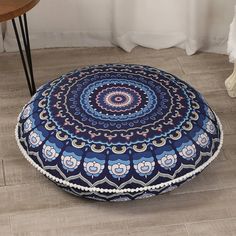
(144,167)
(49,152)
(210,127)
(188,152)
(168,161)
(26,112)
(28,125)
(119,170)
(93,168)
(203,140)
(69,162)
(210,114)
(34,139)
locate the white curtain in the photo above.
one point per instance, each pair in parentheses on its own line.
(190,24)
(232,39)
(160,24)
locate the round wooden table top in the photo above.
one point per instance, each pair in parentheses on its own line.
(10,9)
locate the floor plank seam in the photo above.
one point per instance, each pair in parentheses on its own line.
(208,71)
(202,191)
(186,228)
(180,65)
(4,174)
(209,221)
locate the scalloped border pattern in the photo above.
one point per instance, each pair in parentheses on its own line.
(127,190)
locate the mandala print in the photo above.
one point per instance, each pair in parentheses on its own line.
(118,132)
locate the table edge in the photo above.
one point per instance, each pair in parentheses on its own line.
(19,11)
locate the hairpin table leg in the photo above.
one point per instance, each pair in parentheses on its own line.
(26,58)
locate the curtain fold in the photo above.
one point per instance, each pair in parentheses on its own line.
(232,39)
(196,25)
(150,24)
(190,24)
(1,38)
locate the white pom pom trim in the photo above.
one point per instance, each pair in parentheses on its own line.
(126,190)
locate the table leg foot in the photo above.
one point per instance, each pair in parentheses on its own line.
(26,58)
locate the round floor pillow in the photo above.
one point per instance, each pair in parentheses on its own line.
(118,132)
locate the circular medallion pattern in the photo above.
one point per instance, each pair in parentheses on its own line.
(118,100)
(118,132)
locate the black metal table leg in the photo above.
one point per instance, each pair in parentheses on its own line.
(26,58)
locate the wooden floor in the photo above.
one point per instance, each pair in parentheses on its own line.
(31,205)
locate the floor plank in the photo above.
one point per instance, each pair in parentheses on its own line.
(5,227)
(158,211)
(8,147)
(168,64)
(219,175)
(204,63)
(19,171)
(56,57)
(201,81)
(114,228)
(221,102)
(26,197)
(213,228)
(229,146)
(228,121)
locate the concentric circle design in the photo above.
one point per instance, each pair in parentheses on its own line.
(117,99)
(118,132)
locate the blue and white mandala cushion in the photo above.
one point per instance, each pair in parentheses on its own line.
(118,132)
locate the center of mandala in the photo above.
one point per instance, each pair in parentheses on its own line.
(117,100)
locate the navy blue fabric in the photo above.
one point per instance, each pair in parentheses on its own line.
(118,126)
